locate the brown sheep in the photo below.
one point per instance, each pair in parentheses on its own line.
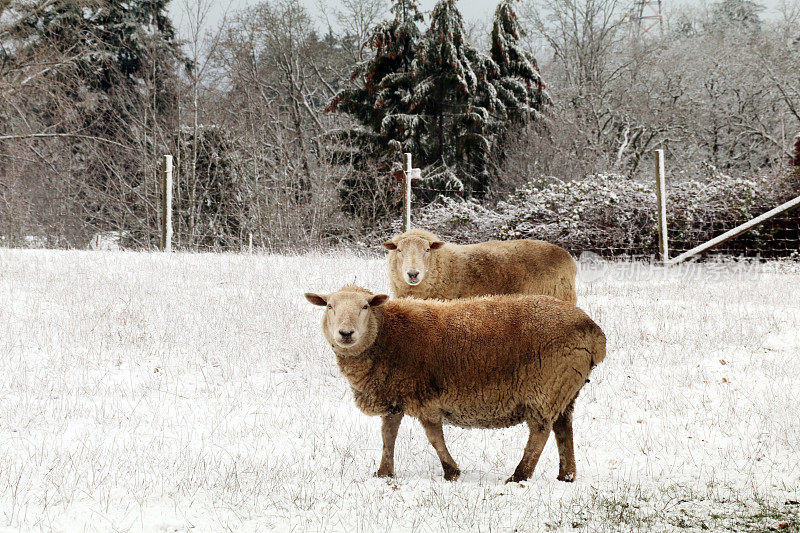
(422,266)
(489,362)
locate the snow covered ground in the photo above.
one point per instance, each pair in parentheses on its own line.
(195,392)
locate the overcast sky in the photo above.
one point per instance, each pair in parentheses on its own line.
(477,10)
(470,9)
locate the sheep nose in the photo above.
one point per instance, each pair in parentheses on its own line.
(412,274)
(346,335)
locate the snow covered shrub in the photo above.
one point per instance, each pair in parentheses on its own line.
(456,220)
(612,215)
(698,211)
(605,213)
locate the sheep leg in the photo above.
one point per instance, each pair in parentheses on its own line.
(566,451)
(435,435)
(539,431)
(389,425)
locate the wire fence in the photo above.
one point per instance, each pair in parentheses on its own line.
(699,212)
(610,216)
(614,216)
(776,237)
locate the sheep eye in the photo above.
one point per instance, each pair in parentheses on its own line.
(365,306)
(330,306)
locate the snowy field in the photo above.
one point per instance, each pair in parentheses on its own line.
(196,393)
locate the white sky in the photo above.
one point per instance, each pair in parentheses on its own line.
(472,10)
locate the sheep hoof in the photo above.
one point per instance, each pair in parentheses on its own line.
(569,477)
(383,473)
(516,478)
(451,473)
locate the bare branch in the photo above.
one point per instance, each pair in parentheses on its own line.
(74,135)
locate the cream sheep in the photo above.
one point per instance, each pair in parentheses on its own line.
(422,266)
(488,362)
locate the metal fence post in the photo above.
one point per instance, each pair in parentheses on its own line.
(166,205)
(406,192)
(661,200)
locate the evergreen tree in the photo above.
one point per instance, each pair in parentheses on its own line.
(114,45)
(439,98)
(115,84)
(519,85)
(741,15)
(382,100)
(451,73)
(221,204)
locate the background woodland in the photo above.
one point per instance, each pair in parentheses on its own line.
(287,125)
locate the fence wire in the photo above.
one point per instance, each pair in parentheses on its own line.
(774,238)
(623,230)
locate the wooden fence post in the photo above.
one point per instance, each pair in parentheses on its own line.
(166,205)
(661,200)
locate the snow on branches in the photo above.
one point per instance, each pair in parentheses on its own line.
(438,97)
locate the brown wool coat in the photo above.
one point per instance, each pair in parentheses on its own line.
(487,362)
(521,266)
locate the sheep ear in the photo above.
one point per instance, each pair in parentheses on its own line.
(436,245)
(378,299)
(389,245)
(316,299)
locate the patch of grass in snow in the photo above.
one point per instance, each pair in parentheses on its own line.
(756,516)
(621,511)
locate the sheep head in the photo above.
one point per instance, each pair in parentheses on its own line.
(349,323)
(410,255)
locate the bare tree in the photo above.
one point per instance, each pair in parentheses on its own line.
(719,88)
(351,21)
(78,126)
(202,43)
(276,72)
